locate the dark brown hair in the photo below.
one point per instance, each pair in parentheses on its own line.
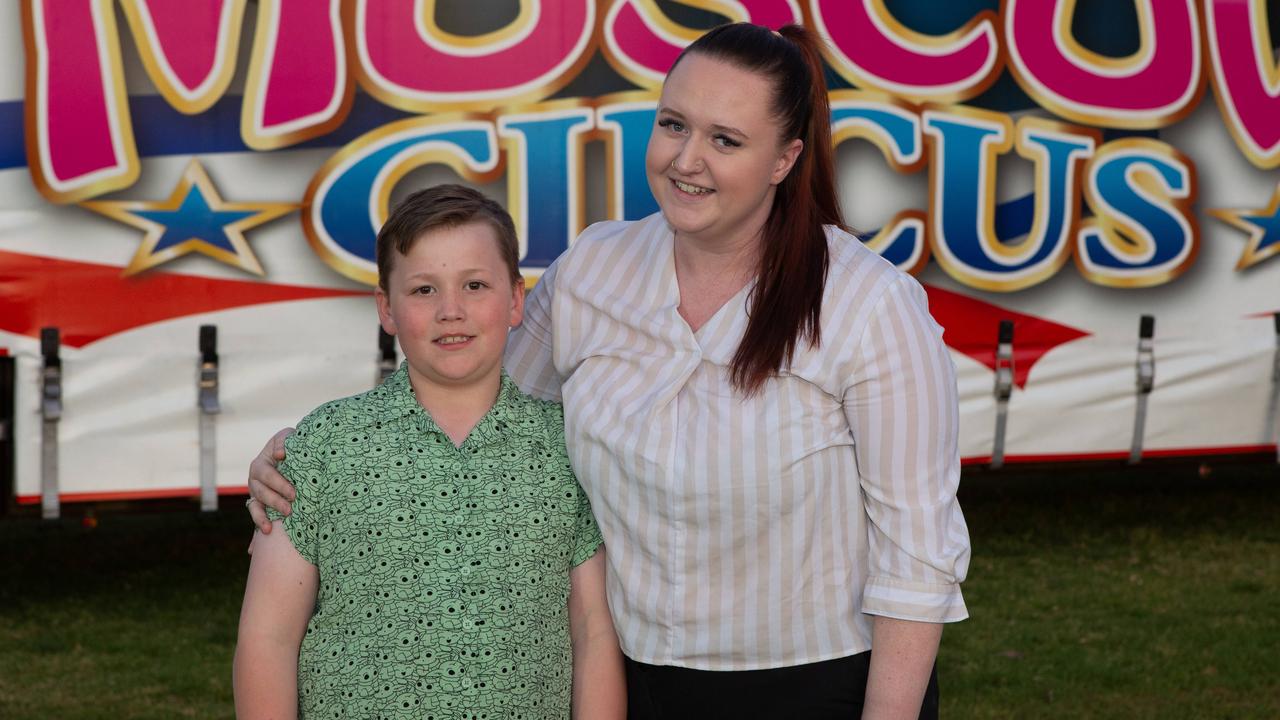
(786,304)
(443,206)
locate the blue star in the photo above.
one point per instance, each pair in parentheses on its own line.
(193,220)
(1263,226)
(1270,225)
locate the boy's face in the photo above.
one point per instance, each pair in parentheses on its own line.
(450,301)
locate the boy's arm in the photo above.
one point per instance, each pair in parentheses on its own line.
(599,683)
(278,599)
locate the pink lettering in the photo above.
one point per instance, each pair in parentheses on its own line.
(77,117)
(1154,87)
(872,50)
(298,85)
(1246,79)
(188,49)
(408,62)
(641,43)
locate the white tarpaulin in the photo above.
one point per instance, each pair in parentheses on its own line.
(161,171)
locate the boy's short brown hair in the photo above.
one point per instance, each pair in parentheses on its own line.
(443,206)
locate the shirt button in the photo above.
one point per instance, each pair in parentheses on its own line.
(466,570)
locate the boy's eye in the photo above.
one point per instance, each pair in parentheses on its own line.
(475,285)
(424,290)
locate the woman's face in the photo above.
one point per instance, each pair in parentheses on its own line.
(715,156)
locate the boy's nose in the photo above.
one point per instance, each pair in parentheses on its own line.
(450,307)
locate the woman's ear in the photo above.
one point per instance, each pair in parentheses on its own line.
(786,161)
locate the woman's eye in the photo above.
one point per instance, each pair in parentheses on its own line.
(671,124)
(726,141)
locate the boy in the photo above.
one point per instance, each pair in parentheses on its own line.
(441,559)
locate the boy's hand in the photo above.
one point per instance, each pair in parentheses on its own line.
(266,485)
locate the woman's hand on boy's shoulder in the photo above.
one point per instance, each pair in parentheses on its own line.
(266,485)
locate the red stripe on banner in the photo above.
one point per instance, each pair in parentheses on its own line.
(130,495)
(1124,454)
(972,327)
(969,461)
(88,301)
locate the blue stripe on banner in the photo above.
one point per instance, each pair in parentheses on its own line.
(158,129)
(13,153)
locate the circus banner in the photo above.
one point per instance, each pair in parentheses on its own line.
(1089,193)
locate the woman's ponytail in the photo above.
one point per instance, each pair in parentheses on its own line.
(786,304)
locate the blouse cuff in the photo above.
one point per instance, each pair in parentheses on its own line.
(908,600)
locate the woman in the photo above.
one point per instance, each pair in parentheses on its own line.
(760,409)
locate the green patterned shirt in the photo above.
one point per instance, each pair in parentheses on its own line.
(444,571)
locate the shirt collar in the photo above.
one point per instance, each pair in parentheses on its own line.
(720,335)
(396,395)
(398,401)
(501,418)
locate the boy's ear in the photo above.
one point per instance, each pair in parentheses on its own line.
(517,304)
(384,310)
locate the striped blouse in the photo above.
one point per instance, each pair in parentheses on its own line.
(752,532)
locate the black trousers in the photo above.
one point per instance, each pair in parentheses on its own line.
(829,689)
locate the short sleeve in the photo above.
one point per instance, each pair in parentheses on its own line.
(903,409)
(529,357)
(587,538)
(586,533)
(305,468)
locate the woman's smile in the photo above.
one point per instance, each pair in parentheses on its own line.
(691,189)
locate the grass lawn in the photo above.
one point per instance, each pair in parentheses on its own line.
(1100,593)
(1120,594)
